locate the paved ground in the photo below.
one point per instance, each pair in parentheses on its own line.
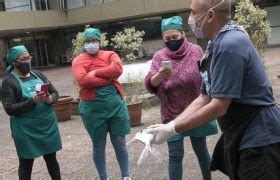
(76,160)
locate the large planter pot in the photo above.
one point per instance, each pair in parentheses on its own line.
(63,109)
(135,113)
(74,106)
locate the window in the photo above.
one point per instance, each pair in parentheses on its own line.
(71,4)
(17,5)
(40,5)
(91,2)
(25,5)
(2,5)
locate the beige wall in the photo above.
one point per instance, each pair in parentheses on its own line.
(31,19)
(124,9)
(2,55)
(151,47)
(121,9)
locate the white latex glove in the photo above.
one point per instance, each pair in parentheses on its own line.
(146,139)
(161,132)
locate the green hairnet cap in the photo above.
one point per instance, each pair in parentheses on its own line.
(13,54)
(175,22)
(92,33)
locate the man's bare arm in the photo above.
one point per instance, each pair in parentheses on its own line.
(197,104)
(216,108)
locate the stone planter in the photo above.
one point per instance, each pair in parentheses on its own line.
(63,109)
(135,113)
(74,107)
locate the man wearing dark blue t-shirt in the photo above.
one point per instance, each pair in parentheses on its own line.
(236,91)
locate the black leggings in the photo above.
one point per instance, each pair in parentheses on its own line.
(25,167)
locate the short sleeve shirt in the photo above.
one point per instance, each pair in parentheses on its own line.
(237,72)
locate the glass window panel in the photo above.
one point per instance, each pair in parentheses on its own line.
(41,4)
(74,4)
(92,2)
(17,5)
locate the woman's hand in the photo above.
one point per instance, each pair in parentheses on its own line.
(165,72)
(39,97)
(49,99)
(91,73)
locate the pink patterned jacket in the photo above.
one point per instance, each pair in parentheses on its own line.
(178,91)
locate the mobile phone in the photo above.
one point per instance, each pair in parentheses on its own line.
(42,88)
(45,88)
(167,64)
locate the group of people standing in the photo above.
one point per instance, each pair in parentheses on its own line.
(227,83)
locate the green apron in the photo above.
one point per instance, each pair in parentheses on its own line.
(35,132)
(107,113)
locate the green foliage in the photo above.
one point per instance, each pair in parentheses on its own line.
(133,89)
(127,41)
(253,19)
(76,86)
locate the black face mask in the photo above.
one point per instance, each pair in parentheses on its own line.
(23,67)
(174,45)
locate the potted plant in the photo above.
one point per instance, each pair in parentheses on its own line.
(63,108)
(75,101)
(133,89)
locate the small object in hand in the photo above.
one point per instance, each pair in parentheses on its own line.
(42,88)
(167,64)
(38,88)
(45,88)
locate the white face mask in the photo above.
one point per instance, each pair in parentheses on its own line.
(198,31)
(92,48)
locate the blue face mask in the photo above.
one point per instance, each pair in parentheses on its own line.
(92,48)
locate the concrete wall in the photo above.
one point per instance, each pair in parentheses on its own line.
(31,19)
(124,9)
(59,46)
(111,11)
(2,55)
(150,47)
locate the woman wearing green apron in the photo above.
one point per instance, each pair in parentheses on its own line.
(102,106)
(33,121)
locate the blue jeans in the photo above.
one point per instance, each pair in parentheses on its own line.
(176,155)
(99,159)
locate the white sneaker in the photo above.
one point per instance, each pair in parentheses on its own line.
(126,178)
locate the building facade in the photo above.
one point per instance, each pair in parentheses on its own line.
(47,27)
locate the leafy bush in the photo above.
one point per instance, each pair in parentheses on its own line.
(253,19)
(127,41)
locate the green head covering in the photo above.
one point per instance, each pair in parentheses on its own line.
(13,54)
(92,33)
(175,22)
